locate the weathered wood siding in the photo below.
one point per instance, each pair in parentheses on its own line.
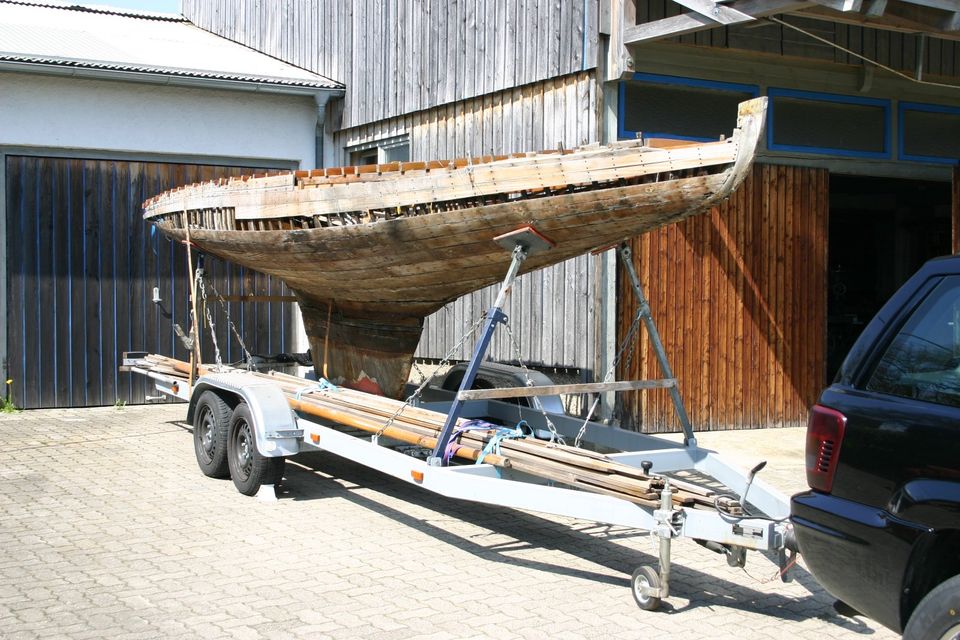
(82,264)
(895,49)
(739,297)
(552,309)
(401,56)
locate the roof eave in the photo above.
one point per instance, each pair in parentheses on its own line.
(168,79)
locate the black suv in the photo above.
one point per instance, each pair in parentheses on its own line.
(880,525)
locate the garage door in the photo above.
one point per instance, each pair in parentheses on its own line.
(82,266)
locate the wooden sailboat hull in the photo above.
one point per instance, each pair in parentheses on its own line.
(377,280)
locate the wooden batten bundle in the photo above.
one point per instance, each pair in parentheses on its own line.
(393,419)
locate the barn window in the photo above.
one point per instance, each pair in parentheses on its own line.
(658,106)
(395,149)
(929,132)
(829,124)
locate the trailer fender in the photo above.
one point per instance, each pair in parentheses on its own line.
(274,422)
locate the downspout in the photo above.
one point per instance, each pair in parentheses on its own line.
(322,154)
(3,272)
(321,144)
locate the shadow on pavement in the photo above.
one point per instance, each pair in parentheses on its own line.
(314,476)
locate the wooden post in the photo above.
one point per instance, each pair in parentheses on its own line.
(195,351)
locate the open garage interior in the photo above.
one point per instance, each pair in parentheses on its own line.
(880,231)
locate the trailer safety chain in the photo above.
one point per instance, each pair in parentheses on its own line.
(610,375)
(248,357)
(555,438)
(199,285)
(423,385)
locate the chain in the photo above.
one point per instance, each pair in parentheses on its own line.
(630,338)
(226,311)
(423,385)
(554,436)
(206,310)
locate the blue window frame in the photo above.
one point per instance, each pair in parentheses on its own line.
(940,144)
(698,91)
(868,137)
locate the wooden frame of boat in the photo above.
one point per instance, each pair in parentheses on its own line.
(377,248)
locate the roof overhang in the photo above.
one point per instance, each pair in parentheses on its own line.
(265,86)
(934,17)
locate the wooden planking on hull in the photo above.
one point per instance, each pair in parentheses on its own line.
(383,247)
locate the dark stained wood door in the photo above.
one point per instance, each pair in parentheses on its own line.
(82,266)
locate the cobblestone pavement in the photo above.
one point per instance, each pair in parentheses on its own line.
(108,530)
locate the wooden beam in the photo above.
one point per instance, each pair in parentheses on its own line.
(714,11)
(903,18)
(841,5)
(562,389)
(255,298)
(616,16)
(876,8)
(693,22)
(943,5)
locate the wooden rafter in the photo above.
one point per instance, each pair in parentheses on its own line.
(932,16)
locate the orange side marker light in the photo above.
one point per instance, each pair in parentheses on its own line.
(416,475)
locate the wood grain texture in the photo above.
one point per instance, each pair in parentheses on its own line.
(563,334)
(83,264)
(399,57)
(740,298)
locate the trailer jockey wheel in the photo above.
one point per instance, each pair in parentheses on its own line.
(248,467)
(211,419)
(645,577)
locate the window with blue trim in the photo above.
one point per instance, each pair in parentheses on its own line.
(828,124)
(929,132)
(660,106)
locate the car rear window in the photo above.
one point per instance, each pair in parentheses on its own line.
(923,360)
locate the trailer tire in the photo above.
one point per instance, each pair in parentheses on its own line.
(249,469)
(211,419)
(645,576)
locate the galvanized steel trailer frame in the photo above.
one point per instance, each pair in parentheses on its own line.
(279,431)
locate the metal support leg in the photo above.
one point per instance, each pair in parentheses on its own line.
(665,531)
(626,257)
(495,316)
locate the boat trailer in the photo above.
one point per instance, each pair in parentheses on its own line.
(246,423)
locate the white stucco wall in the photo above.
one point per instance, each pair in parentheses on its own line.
(56,112)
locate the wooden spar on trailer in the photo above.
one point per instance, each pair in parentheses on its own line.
(572,466)
(371,251)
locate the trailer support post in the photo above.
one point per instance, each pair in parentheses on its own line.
(495,316)
(626,257)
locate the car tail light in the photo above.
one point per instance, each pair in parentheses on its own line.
(824,436)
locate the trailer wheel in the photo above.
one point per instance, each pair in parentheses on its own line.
(645,576)
(248,467)
(211,420)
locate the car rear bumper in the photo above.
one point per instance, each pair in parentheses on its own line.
(857,552)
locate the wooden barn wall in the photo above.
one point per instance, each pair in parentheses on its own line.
(82,264)
(401,56)
(552,309)
(739,296)
(895,49)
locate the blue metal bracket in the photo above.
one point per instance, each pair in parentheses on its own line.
(495,316)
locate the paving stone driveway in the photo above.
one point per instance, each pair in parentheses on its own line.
(108,530)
